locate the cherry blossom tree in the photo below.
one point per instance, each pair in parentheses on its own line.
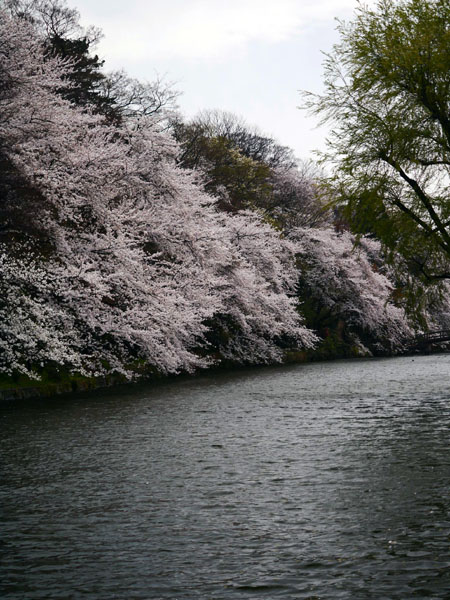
(343,277)
(137,263)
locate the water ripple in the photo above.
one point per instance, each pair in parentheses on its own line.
(323,481)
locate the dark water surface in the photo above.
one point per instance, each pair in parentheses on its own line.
(316,481)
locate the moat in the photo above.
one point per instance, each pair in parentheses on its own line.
(316,481)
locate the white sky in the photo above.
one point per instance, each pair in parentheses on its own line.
(250,57)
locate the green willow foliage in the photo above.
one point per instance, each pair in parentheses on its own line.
(387,93)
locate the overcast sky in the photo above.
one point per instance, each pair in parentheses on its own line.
(250,57)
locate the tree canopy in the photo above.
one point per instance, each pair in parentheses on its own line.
(387,93)
(111,254)
(246,169)
(132,239)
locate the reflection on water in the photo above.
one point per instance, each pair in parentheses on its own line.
(321,481)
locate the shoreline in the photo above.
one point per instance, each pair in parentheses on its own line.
(77,384)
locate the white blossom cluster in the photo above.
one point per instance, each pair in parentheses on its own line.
(139,262)
(345,277)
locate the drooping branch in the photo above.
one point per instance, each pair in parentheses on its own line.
(426,202)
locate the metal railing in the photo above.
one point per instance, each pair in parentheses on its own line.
(431,337)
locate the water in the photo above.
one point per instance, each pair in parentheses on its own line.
(321,481)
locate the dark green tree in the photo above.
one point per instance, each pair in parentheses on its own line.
(63,36)
(237,179)
(246,169)
(85,79)
(114,95)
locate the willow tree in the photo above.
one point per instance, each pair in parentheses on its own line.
(387,94)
